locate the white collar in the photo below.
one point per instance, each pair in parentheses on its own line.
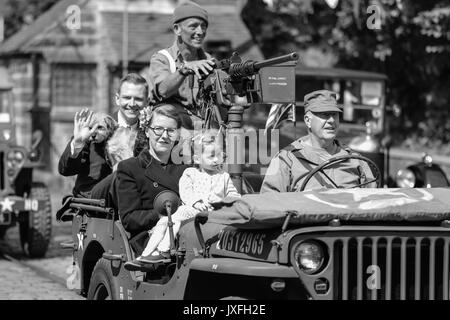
(123,123)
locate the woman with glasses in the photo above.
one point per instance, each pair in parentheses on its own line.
(200,187)
(142,178)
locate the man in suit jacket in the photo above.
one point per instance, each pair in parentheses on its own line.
(130,98)
(84,155)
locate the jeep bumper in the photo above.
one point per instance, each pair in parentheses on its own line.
(242,278)
(12,205)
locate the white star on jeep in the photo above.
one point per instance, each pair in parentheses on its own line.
(7,204)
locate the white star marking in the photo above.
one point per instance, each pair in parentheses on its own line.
(7,204)
(360,194)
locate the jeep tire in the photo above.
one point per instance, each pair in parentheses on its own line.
(36,226)
(3,232)
(102,286)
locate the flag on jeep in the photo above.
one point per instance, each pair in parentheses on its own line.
(279,113)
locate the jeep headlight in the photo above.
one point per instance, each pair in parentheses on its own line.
(309,256)
(405,178)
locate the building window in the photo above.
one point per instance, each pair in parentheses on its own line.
(73,85)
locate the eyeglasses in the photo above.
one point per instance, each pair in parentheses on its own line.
(159,131)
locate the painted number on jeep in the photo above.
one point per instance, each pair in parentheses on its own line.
(242,242)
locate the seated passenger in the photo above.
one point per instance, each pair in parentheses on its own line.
(292,164)
(140,179)
(84,155)
(119,147)
(199,188)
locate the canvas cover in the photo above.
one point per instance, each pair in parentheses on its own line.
(269,210)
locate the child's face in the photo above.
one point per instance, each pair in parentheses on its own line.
(212,158)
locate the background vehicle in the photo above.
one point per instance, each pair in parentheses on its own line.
(364,122)
(22,200)
(342,244)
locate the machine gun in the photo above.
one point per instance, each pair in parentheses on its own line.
(236,82)
(235,85)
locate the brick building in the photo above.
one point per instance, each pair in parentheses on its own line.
(72,56)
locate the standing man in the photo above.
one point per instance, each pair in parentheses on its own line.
(131,97)
(175,71)
(290,166)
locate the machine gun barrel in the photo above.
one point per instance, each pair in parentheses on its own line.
(248,68)
(269,62)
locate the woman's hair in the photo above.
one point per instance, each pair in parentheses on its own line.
(145,121)
(165,109)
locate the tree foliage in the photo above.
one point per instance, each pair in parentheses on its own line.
(411,46)
(19,13)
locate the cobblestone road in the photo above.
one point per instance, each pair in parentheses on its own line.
(18,282)
(36,279)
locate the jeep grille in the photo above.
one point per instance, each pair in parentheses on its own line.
(410,267)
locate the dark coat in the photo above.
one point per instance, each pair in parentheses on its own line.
(139,181)
(107,190)
(90,166)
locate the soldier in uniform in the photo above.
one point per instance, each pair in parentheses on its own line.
(175,71)
(290,166)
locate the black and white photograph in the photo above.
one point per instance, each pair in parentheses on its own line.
(263,151)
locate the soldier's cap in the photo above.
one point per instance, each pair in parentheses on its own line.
(189,9)
(321,101)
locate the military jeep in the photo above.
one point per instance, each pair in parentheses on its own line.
(22,201)
(340,244)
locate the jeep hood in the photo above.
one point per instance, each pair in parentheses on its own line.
(269,210)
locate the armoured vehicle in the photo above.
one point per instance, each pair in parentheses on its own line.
(22,200)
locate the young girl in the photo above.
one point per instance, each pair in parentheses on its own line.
(199,188)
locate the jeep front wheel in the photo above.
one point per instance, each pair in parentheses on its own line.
(101,286)
(3,232)
(36,226)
